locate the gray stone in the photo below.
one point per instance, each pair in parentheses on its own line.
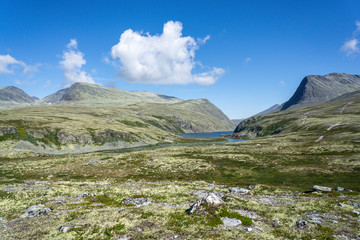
(64,228)
(35,211)
(249,229)
(315,220)
(136,201)
(340,204)
(239,191)
(321,188)
(231,222)
(301,224)
(84,195)
(356,212)
(339,189)
(211,198)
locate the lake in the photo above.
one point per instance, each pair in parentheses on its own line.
(211,135)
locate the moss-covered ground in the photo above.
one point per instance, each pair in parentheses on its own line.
(280,170)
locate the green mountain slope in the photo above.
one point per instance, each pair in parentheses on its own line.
(339,117)
(92,93)
(89,117)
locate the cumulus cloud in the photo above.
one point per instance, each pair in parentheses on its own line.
(8,64)
(351,46)
(161,59)
(72,62)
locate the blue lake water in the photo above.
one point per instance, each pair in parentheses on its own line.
(211,135)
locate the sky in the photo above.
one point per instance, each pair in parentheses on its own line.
(244,56)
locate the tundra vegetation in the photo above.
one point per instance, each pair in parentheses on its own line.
(297,179)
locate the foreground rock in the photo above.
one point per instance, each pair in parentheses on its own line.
(239,191)
(35,211)
(231,222)
(136,201)
(321,188)
(84,195)
(301,224)
(211,198)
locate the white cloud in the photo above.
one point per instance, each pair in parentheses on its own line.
(7,64)
(282,83)
(72,63)
(161,59)
(351,46)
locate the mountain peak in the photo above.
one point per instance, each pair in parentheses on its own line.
(14,94)
(315,89)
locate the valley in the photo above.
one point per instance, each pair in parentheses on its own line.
(92,162)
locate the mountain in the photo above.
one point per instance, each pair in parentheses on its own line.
(14,95)
(89,117)
(316,89)
(271,109)
(337,118)
(93,93)
(236,121)
(53,98)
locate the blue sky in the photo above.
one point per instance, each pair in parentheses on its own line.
(244,56)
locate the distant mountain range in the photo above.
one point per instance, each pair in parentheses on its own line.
(88,117)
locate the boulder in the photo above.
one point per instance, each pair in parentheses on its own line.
(211,199)
(35,211)
(239,191)
(84,195)
(231,222)
(339,189)
(136,201)
(64,228)
(301,224)
(321,188)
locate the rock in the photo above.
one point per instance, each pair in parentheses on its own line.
(301,224)
(251,187)
(356,212)
(339,189)
(239,191)
(321,189)
(64,228)
(84,195)
(211,198)
(231,222)
(249,229)
(136,201)
(35,211)
(340,204)
(275,222)
(315,220)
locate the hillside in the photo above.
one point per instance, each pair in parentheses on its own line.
(89,117)
(14,95)
(93,93)
(339,117)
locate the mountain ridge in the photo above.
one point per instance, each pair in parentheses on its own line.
(315,89)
